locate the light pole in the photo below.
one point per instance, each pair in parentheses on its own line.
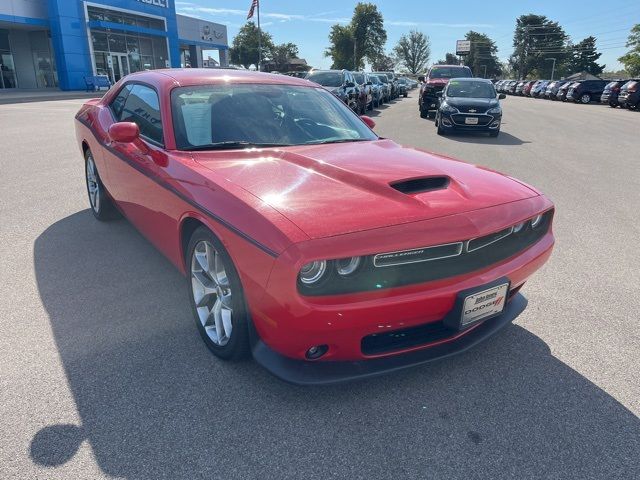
(485,71)
(553,68)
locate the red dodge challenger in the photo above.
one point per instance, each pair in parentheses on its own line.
(327,252)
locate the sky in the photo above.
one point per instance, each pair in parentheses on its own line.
(307,23)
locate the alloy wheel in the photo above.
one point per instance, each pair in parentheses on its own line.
(93,185)
(212,293)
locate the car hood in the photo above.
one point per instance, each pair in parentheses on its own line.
(472,102)
(333,189)
(437,81)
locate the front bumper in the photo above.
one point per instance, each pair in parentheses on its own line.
(302,372)
(290,323)
(456,121)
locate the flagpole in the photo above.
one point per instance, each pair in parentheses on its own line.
(259,39)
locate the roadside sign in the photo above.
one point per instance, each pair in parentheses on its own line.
(463,47)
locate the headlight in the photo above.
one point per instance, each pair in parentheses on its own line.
(313,272)
(495,110)
(446,108)
(536,221)
(346,266)
(518,227)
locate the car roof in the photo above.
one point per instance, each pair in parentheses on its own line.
(209,76)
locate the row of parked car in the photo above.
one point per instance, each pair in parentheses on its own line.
(363,91)
(622,93)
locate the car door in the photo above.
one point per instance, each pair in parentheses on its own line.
(137,172)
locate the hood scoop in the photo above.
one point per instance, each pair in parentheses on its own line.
(413,186)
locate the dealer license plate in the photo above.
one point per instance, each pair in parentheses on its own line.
(484,304)
(471,120)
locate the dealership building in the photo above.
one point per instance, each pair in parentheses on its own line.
(57,43)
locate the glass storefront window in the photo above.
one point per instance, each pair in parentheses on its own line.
(103,14)
(117,42)
(7,68)
(99,41)
(159,52)
(145,46)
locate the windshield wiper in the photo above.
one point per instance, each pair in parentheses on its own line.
(231,144)
(340,140)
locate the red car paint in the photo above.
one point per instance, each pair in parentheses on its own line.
(276,209)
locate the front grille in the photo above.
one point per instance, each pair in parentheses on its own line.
(483,120)
(378,343)
(422,265)
(466,109)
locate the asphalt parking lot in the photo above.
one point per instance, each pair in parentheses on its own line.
(103,374)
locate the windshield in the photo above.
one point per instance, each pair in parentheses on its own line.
(383,78)
(359,77)
(470,89)
(326,79)
(213,117)
(449,72)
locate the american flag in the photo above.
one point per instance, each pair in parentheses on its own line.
(254,5)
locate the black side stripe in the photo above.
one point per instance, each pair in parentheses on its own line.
(180,195)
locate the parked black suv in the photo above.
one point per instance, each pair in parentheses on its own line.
(365,97)
(339,82)
(610,93)
(629,96)
(586,90)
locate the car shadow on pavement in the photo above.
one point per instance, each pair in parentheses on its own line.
(154,403)
(503,138)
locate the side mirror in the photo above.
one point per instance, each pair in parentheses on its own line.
(502,96)
(124,132)
(349,84)
(439,94)
(368,121)
(421,78)
(368,84)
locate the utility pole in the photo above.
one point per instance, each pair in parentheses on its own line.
(525,48)
(553,67)
(485,71)
(355,65)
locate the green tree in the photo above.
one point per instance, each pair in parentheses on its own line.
(244,49)
(631,59)
(535,39)
(281,54)
(482,58)
(341,49)
(363,38)
(383,63)
(449,59)
(369,34)
(583,57)
(413,51)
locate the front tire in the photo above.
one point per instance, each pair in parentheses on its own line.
(494,133)
(101,205)
(216,297)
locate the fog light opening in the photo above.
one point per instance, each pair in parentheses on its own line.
(446,122)
(316,352)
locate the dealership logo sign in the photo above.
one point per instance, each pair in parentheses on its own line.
(157,3)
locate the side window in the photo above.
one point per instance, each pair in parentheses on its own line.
(143,107)
(118,103)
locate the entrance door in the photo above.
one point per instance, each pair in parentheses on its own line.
(119,65)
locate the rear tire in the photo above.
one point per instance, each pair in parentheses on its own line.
(216,297)
(585,99)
